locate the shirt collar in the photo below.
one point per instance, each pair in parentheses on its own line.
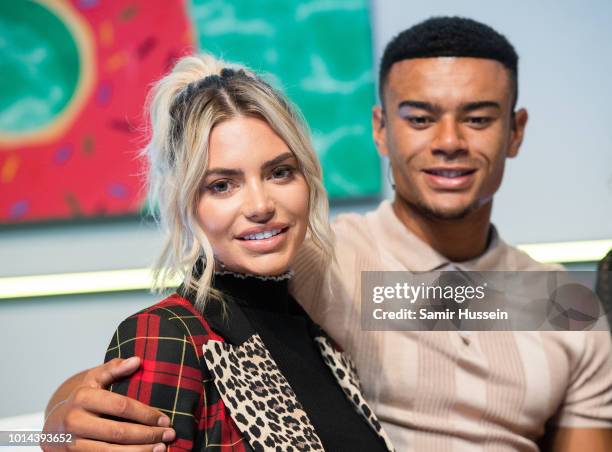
(416,255)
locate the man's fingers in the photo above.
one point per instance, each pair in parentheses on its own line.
(104,402)
(103,375)
(125,367)
(87,445)
(94,428)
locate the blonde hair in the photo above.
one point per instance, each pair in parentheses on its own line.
(184,106)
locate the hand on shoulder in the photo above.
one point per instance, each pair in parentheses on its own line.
(78,405)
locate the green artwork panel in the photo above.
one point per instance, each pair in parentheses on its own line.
(39,63)
(319,53)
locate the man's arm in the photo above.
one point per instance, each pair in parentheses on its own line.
(63,392)
(77,405)
(578,440)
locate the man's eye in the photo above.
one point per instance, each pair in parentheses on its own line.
(479,121)
(222,186)
(420,121)
(282,172)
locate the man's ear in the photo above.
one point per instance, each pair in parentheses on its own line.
(379,132)
(519,122)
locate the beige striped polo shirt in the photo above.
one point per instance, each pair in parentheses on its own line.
(450,391)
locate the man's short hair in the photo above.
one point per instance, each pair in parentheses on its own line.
(449,37)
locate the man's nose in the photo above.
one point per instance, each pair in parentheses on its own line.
(449,139)
(258,204)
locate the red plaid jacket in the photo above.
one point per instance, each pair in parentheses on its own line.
(173,377)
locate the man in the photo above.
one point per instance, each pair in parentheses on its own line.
(447,122)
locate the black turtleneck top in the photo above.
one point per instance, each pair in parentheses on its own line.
(288,334)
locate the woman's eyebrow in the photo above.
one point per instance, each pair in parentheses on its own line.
(229,172)
(223,172)
(279,159)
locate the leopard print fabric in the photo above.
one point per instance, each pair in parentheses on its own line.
(346,374)
(250,382)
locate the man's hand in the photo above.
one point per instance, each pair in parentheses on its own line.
(79,402)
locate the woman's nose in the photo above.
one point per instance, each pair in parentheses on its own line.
(258,205)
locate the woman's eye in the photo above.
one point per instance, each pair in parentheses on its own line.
(282,172)
(222,186)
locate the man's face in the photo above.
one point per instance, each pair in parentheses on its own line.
(447,128)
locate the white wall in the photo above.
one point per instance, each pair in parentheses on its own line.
(44,340)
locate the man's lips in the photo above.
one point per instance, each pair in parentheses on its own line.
(449,178)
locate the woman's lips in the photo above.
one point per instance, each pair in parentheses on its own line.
(260,243)
(449,178)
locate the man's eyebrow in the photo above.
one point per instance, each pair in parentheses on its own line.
(279,159)
(434,108)
(471,106)
(427,106)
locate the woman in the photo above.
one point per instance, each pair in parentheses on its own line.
(231,358)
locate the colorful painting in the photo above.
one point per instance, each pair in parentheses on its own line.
(75,78)
(75,74)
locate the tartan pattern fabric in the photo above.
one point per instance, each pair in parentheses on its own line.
(173,377)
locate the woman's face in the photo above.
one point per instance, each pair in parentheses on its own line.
(253,204)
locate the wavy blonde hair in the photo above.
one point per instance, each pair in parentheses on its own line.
(184,106)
